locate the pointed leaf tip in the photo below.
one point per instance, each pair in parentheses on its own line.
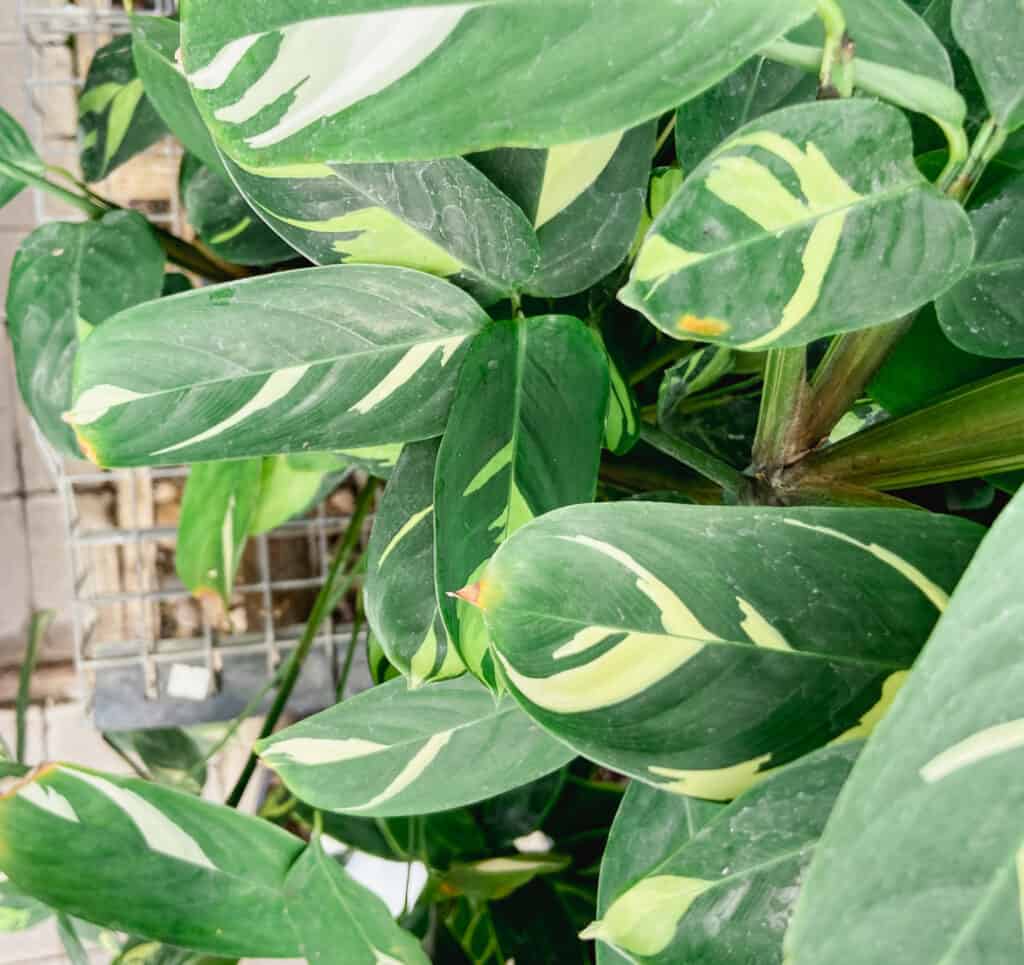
(471,594)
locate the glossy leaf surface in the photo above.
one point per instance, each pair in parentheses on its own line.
(322,358)
(217,512)
(224,221)
(116,121)
(442,217)
(395,751)
(220,872)
(991,32)
(938,792)
(724,641)
(268,83)
(60,289)
(524,384)
(723,892)
(822,224)
(336,919)
(155,46)
(400,594)
(984,312)
(584,200)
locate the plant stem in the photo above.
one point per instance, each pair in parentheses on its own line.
(782,410)
(710,467)
(987,145)
(665,134)
(88,207)
(126,757)
(321,608)
(836,76)
(37,628)
(346,669)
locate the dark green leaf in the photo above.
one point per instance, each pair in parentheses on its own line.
(524,384)
(169,754)
(116,121)
(808,222)
(724,642)
(60,289)
(16,154)
(327,358)
(395,751)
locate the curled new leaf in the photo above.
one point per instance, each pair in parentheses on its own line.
(724,642)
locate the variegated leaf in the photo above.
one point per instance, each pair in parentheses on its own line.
(217,512)
(115,118)
(583,199)
(60,289)
(983,312)
(223,219)
(667,821)
(16,155)
(322,358)
(525,383)
(336,919)
(387,81)
(395,751)
(724,892)
(810,237)
(442,217)
(155,46)
(937,796)
(378,461)
(221,873)
(492,879)
(400,593)
(991,32)
(724,641)
(622,417)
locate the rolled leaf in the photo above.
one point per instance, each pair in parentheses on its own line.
(584,200)
(220,873)
(670,821)
(224,221)
(60,289)
(155,46)
(395,751)
(991,32)
(725,892)
(322,358)
(336,919)
(16,155)
(983,313)
(115,118)
(822,225)
(442,217)
(217,512)
(400,593)
(972,431)
(269,85)
(524,383)
(724,642)
(951,750)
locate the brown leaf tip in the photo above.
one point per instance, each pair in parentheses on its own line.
(470,594)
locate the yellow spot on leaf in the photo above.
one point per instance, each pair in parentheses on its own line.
(694,325)
(714,784)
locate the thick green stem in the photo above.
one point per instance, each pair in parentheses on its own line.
(88,207)
(986,146)
(321,608)
(719,472)
(836,75)
(37,628)
(782,410)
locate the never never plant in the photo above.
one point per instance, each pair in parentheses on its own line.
(687,338)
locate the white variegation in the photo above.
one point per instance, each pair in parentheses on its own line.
(408,365)
(227,545)
(420,761)
(713,783)
(327,64)
(94,403)
(758,629)
(407,527)
(277,386)
(987,743)
(571,170)
(48,799)
(312,750)
(160,833)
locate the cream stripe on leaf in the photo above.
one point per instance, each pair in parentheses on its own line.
(440,216)
(522,383)
(221,874)
(319,81)
(668,894)
(724,642)
(318,359)
(442,746)
(400,597)
(115,118)
(584,199)
(937,791)
(810,238)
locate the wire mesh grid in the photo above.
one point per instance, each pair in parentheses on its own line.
(144,648)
